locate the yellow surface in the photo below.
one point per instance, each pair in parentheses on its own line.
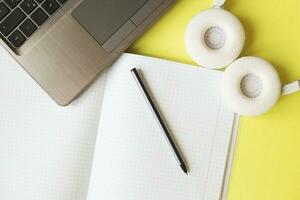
(267,159)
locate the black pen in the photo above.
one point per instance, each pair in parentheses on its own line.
(159,120)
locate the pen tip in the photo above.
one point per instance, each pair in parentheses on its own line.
(184,169)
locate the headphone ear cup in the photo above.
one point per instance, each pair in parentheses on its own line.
(214,38)
(251,86)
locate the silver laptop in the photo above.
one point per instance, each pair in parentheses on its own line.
(65,44)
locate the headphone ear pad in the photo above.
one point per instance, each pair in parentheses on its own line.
(251,86)
(214,38)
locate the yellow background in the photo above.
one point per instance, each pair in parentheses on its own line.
(267,158)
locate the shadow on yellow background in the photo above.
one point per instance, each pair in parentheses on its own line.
(267,158)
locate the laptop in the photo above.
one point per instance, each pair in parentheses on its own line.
(65,44)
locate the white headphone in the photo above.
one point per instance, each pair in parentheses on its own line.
(251,86)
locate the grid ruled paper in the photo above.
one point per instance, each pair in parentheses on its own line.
(132,161)
(45,150)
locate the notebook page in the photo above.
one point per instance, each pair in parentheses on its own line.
(45,149)
(132,161)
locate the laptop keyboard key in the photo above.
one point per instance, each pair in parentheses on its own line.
(11,22)
(50,6)
(12,3)
(28,27)
(28,6)
(3,10)
(19,19)
(39,16)
(16,38)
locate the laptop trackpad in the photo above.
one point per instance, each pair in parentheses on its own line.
(102,18)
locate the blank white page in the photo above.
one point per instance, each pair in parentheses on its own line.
(45,150)
(132,161)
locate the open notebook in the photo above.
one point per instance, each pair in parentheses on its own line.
(106,145)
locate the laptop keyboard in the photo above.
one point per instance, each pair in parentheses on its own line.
(19,19)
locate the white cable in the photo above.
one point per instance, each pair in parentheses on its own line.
(291,88)
(218,3)
(251,86)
